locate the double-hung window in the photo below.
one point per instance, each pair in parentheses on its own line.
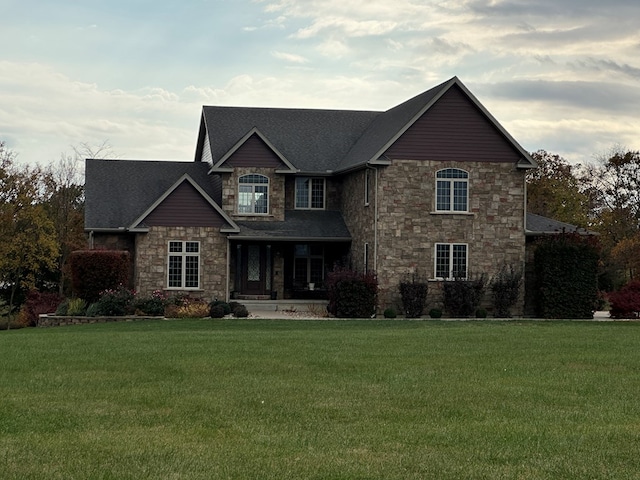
(308,264)
(451,261)
(253,194)
(452,190)
(183,265)
(310,193)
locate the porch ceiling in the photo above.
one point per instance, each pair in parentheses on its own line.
(298,225)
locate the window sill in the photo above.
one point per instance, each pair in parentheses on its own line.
(464,214)
(182,289)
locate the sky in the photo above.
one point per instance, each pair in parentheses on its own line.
(559,75)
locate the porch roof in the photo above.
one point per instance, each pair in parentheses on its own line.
(298,225)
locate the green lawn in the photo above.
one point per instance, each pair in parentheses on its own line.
(202,399)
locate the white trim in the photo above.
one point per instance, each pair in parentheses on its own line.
(183,254)
(451,182)
(253,194)
(435,259)
(310,193)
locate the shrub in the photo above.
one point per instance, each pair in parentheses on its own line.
(390,313)
(94,271)
(461,297)
(625,303)
(93,310)
(224,305)
(76,307)
(505,290)
(216,311)
(567,276)
(37,303)
(63,308)
(414,297)
(481,313)
(186,307)
(240,312)
(115,302)
(352,294)
(435,313)
(152,305)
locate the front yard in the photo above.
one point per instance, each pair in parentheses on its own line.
(321,399)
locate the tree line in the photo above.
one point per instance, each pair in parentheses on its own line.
(602,196)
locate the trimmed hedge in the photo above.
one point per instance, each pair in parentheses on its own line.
(461,297)
(352,294)
(567,276)
(94,271)
(414,297)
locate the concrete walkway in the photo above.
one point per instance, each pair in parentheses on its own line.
(306,315)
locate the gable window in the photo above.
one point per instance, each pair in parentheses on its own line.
(183,265)
(366,188)
(452,190)
(253,194)
(451,261)
(310,193)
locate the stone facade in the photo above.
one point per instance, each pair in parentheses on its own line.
(276,194)
(408,226)
(151,260)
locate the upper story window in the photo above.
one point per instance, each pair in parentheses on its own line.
(452,190)
(310,193)
(253,194)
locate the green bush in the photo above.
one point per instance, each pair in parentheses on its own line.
(505,290)
(63,308)
(240,311)
(115,302)
(481,313)
(414,297)
(352,294)
(94,271)
(224,305)
(76,307)
(461,297)
(390,313)
(216,311)
(435,313)
(153,305)
(567,276)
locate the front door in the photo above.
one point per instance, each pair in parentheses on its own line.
(256,271)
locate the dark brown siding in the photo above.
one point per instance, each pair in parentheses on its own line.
(184,207)
(254,153)
(453,129)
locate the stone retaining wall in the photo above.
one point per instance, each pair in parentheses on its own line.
(61,321)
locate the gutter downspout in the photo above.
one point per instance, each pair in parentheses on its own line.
(375,217)
(228,270)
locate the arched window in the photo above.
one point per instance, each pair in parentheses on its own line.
(452,190)
(253,194)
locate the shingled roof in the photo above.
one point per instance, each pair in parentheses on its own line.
(539,225)
(118,191)
(327,141)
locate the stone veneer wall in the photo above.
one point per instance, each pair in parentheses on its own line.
(358,217)
(408,228)
(276,194)
(151,259)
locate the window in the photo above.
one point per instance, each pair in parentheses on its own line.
(183,265)
(308,265)
(452,190)
(310,193)
(366,258)
(253,194)
(451,260)
(366,188)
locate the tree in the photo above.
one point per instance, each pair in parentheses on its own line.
(626,255)
(27,238)
(555,190)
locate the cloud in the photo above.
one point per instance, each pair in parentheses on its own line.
(289,57)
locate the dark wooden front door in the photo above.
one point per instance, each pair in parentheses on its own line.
(254,270)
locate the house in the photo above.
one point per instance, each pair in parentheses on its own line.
(276,197)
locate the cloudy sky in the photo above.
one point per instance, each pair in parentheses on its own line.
(559,75)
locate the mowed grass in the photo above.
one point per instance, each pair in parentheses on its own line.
(207,399)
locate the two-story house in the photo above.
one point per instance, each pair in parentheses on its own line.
(276,197)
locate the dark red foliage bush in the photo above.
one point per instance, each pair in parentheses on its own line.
(352,294)
(38,303)
(94,271)
(625,303)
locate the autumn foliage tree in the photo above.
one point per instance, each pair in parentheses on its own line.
(27,238)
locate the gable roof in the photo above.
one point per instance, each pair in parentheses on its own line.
(119,192)
(328,141)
